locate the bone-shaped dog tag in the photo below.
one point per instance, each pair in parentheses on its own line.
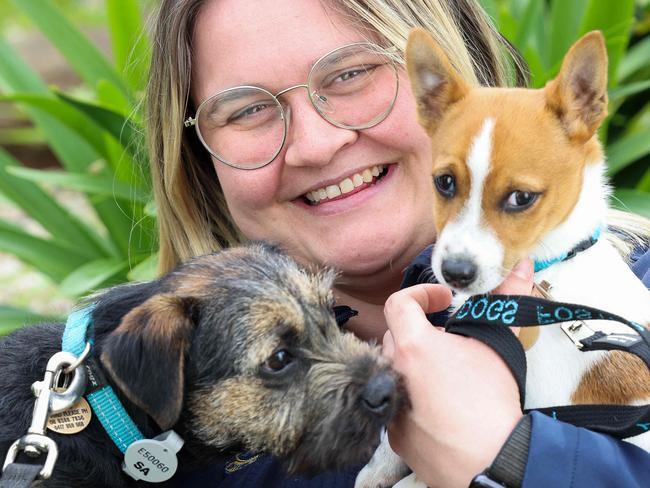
(153,460)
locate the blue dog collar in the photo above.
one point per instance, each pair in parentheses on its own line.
(581,246)
(109,410)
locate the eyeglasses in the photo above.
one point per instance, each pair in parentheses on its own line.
(353,87)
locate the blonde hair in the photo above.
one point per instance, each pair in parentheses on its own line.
(193,217)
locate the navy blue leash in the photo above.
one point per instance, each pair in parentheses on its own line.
(488,318)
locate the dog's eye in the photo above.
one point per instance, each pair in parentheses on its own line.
(277,361)
(446,185)
(519,200)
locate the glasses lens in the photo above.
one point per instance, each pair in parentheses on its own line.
(242,127)
(354,87)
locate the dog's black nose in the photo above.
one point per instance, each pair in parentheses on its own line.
(379,392)
(458,272)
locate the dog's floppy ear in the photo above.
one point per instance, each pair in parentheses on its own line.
(434,81)
(578,95)
(145,355)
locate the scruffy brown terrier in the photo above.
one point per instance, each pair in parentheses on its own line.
(237,349)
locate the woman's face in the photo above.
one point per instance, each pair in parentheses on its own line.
(273,44)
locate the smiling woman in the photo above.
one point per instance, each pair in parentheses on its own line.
(292,122)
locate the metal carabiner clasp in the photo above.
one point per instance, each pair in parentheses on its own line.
(48,401)
(34,445)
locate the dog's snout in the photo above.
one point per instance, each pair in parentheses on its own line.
(379,392)
(458,272)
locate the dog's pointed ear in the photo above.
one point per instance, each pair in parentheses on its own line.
(578,95)
(145,355)
(434,82)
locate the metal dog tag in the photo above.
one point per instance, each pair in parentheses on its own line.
(73,420)
(153,460)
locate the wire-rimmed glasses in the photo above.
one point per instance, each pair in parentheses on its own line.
(352,87)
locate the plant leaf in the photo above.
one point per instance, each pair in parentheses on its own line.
(92,276)
(130,46)
(632,201)
(61,224)
(94,184)
(620,93)
(65,113)
(82,55)
(627,149)
(635,59)
(615,20)
(51,257)
(145,271)
(12,318)
(564,25)
(71,150)
(120,128)
(526,24)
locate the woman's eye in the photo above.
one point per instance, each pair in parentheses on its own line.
(348,75)
(519,200)
(277,361)
(446,185)
(250,111)
(358,73)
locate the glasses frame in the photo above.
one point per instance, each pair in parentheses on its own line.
(388,52)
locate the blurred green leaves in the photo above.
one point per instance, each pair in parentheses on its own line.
(99,142)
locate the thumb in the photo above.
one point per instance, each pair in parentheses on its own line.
(519,281)
(405,309)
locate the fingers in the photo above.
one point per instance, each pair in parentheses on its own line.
(519,281)
(405,311)
(415,301)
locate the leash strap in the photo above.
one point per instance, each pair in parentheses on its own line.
(488,318)
(109,410)
(20,475)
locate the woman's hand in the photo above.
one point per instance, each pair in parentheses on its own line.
(465,401)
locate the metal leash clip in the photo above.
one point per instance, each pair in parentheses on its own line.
(50,399)
(575,330)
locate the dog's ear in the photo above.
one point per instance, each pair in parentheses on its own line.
(145,355)
(434,82)
(578,95)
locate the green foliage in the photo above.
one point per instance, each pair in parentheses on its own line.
(99,143)
(99,139)
(544,30)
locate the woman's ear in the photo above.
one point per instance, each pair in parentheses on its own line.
(145,355)
(434,82)
(578,95)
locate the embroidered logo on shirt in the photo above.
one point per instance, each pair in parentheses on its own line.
(241,460)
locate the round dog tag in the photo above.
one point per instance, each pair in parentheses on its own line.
(73,420)
(153,460)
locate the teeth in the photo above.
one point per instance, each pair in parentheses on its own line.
(333,191)
(345,186)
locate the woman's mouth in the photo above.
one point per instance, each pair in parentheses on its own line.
(348,186)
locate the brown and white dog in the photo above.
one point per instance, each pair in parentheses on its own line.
(519,173)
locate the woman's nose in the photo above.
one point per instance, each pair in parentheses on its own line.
(312,140)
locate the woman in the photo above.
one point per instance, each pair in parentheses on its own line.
(347,184)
